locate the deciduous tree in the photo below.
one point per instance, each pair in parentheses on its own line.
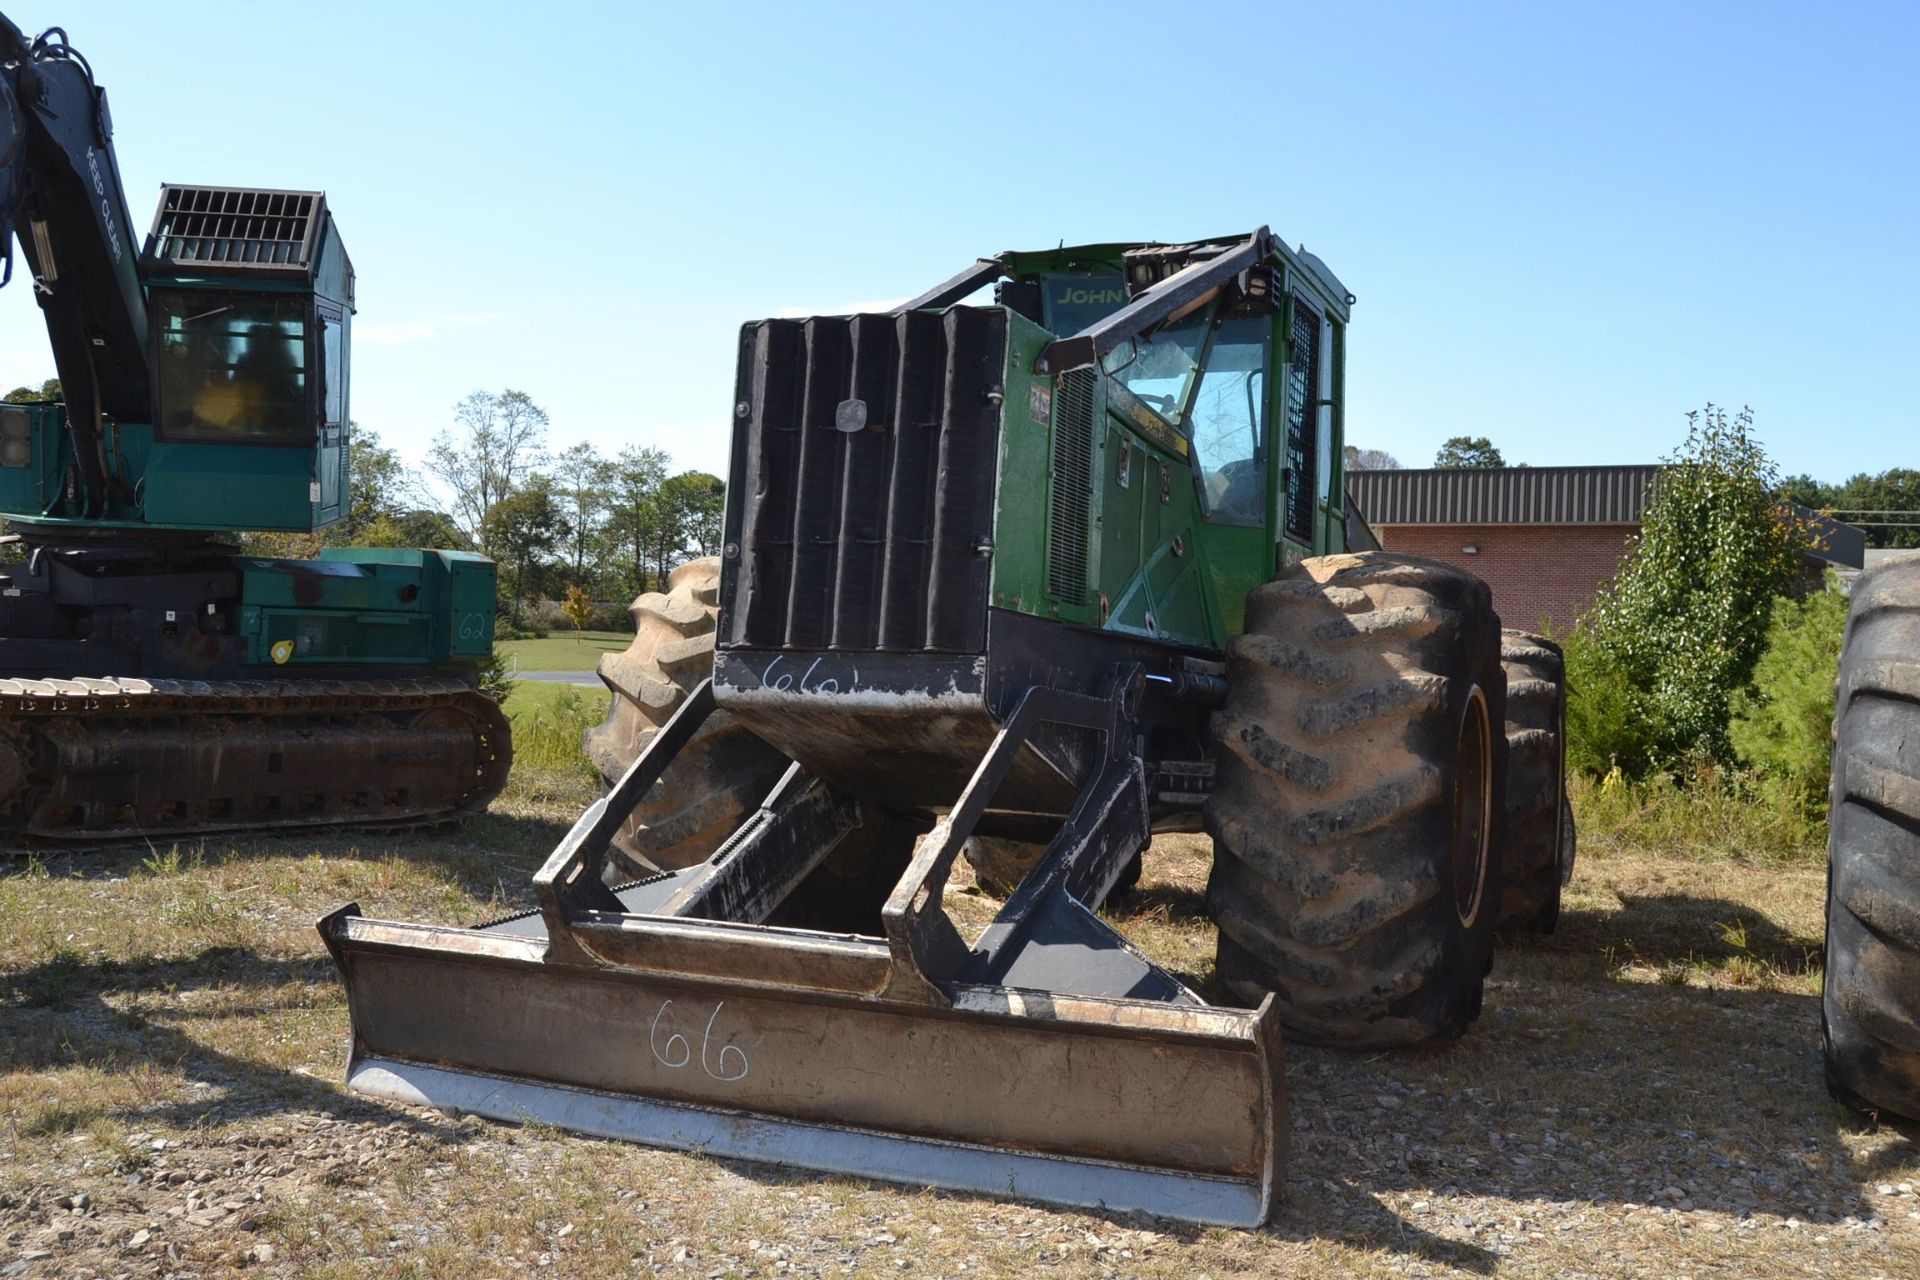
(496,442)
(1468,452)
(379,485)
(580,477)
(47,392)
(633,511)
(1686,618)
(688,519)
(525,527)
(1886,506)
(1357,459)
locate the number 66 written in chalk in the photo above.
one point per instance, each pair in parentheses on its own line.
(673,1051)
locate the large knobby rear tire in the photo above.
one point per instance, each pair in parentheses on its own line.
(723,773)
(1871,1003)
(1538,857)
(1357,800)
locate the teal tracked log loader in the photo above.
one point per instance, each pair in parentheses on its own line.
(154,683)
(1042,577)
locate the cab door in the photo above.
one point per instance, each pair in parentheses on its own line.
(331,444)
(1227,423)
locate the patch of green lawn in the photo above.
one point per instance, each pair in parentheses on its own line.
(563,651)
(531,697)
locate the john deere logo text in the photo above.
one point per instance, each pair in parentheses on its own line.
(1093,297)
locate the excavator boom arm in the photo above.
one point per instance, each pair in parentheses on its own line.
(60,193)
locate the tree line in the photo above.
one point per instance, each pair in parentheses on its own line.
(1459,453)
(1885,506)
(607,527)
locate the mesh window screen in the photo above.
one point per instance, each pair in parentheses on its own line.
(1303,396)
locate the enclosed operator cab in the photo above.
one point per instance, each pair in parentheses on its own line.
(249,303)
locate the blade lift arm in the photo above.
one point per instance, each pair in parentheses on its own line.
(924,959)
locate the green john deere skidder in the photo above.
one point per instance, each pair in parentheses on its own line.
(1050,575)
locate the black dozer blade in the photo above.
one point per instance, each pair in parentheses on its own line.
(1050,1060)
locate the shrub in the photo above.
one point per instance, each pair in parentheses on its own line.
(544,616)
(1609,719)
(1782,726)
(493,675)
(1686,619)
(610,615)
(541,618)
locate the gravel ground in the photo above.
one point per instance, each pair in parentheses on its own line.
(1641,1098)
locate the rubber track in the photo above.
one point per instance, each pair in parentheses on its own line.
(38,719)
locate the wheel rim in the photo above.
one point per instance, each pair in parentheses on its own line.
(1472,808)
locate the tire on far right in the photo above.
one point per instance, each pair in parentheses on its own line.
(1870,1004)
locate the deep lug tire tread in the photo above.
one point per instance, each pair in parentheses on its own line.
(1871,999)
(1332,814)
(725,770)
(1538,817)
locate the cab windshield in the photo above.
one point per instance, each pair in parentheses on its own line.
(1159,369)
(232,367)
(1229,427)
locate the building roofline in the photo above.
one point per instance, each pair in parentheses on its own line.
(1594,496)
(1504,495)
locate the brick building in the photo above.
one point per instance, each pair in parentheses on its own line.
(1544,538)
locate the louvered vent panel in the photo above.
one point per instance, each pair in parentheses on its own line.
(236,227)
(1072,486)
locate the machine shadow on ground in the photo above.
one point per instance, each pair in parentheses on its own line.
(125,1016)
(1617,1059)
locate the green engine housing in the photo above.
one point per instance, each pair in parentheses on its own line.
(898,479)
(372,606)
(935,512)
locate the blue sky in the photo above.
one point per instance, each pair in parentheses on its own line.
(1566,225)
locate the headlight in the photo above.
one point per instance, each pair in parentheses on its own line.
(16,437)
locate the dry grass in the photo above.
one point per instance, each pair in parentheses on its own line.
(1712,814)
(1642,1097)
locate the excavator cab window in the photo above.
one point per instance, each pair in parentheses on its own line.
(232,367)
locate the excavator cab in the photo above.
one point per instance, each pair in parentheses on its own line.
(249,307)
(155,683)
